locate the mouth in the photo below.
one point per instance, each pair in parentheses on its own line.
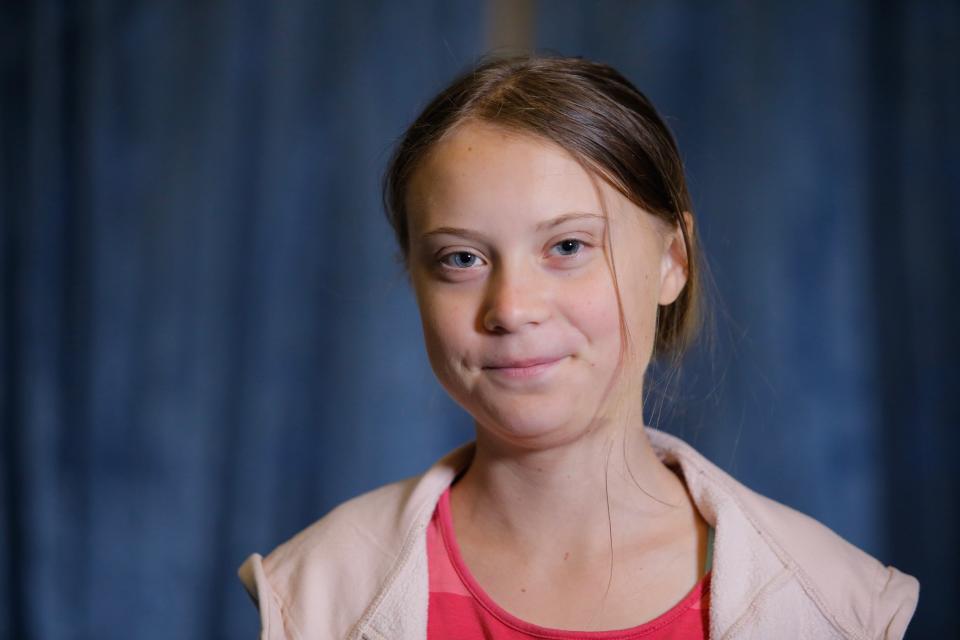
(521,369)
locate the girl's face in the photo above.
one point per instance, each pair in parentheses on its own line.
(512,273)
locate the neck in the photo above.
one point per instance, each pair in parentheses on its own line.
(608,480)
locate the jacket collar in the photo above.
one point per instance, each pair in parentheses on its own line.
(744,564)
(400,609)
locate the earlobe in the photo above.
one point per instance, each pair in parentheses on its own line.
(674,264)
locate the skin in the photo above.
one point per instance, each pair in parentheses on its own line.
(565,516)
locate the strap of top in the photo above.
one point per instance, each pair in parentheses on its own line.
(708,561)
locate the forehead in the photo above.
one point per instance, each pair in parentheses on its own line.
(482,172)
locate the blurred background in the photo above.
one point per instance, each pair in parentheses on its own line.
(206,341)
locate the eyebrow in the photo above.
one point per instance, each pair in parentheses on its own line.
(567,217)
(546,224)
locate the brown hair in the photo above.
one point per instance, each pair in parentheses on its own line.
(594,113)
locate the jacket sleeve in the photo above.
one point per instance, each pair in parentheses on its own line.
(896,601)
(255,581)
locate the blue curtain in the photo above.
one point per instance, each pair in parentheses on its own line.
(207,340)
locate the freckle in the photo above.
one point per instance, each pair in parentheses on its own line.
(566,555)
(539,468)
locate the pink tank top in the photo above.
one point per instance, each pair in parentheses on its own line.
(460,609)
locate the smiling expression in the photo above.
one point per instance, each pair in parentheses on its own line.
(510,259)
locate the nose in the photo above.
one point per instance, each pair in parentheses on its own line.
(514,299)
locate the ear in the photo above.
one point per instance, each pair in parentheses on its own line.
(675,263)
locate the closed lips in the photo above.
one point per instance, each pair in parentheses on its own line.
(522,364)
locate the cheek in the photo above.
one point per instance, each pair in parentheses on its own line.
(640,297)
(600,315)
(591,307)
(447,324)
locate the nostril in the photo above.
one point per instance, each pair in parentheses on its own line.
(512,319)
(494,323)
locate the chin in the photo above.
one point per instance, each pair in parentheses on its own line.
(531,425)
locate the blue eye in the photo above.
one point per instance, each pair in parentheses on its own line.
(569,247)
(460,260)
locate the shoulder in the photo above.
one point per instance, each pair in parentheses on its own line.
(321,581)
(367,526)
(299,586)
(855,593)
(848,585)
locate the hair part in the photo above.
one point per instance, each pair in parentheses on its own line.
(595,114)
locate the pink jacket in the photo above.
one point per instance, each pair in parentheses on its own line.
(360,572)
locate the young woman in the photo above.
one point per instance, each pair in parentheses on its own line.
(541,208)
